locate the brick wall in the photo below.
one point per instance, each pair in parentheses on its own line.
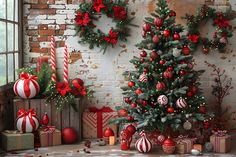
(44,18)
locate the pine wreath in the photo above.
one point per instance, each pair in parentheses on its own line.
(223,31)
(87,12)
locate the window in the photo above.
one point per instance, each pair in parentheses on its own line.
(10,38)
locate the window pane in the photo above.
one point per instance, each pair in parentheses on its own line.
(16,38)
(2,69)
(10,68)
(10,36)
(16,64)
(16,10)
(3,9)
(10,9)
(3,36)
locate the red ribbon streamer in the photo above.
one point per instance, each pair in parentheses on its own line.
(100,118)
(27,78)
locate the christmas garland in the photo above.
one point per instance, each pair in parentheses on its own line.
(222,32)
(87,12)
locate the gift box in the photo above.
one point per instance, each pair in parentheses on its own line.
(49,136)
(221,142)
(15,140)
(183,144)
(198,147)
(96,120)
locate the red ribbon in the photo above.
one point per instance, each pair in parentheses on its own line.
(23,113)
(220,133)
(49,129)
(100,118)
(27,78)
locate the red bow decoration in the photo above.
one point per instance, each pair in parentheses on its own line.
(111,38)
(79,89)
(119,13)
(98,5)
(194,38)
(82,19)
(63,88)
(221,22)
(103,109)
(220,133)
(27,78)
(22,112)
(49,129)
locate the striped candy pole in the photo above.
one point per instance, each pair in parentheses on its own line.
(53,59)
(65,65)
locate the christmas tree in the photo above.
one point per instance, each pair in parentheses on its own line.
(163,91)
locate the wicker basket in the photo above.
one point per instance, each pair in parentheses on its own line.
(168,149)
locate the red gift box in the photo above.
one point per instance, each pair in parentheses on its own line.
(96,120)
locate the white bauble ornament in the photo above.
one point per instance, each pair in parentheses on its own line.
(163,119)
(187,125)
(181,103)
(162,99)
(143,78)
(143,144)
(176,52)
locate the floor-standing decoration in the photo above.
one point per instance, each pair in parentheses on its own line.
(86,29)
(143,145)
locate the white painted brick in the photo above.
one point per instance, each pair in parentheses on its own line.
(72,7)
(69,21)
(41,17)
(70,26)
(60,21)
(32,27)
(36,22)
(70,16)
(44,44)
(57,6)
(65,11)
(59,38)
(60,1)
(69,32)
(57,17)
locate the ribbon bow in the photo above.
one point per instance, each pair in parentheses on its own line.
(142,133)
(49,129)
(25,76)
(103,109)
(220,133)
(22,112)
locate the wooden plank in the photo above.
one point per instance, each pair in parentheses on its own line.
(35,104)
(56,117)
(65,116)
(75,119)
(46,108)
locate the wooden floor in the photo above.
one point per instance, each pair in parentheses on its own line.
(101,151)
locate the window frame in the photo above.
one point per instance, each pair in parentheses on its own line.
(20,41)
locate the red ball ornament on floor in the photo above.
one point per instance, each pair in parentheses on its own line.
(160,86)
(146,27)
(138,91)
(172,13)
(186,50)
(131,129)
(176,36)
(108,132)
(131,84)
(170,110)
(166,33)
(143,53)
(123,112)
(168,146)
(155,39)
(158,22)
(69,135)
(45,119)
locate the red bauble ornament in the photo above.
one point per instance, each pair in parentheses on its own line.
(170,68)
(141,60)
(145,70)
(145,102)
(138,91)
(77,81)
(166,33)
(133,105)
(168,74)
(206,125)
(131,84)
(189,94)
(170,110)
(202,109)
(123,112)
(153,55)
(125,139)
(168,142)
(176,36)
(131,129)
(155,39)
(194,89)
(45,119)
(146,27)
(182,72)
(160,86)
(127,100)
(162,62)
(186,50)
(69,135)
(143,53)
(172,13)
(108,132)
(158,22)
(144,34)
(130,118)
(168,146)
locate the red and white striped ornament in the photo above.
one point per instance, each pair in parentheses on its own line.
(27,121)
(53,59)
(26,87)
(181,103)
(65,76)
(162,99)
(143,78)
(143,144)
